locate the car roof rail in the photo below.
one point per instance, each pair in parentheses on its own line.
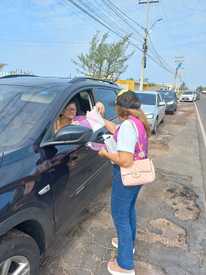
(82,78)
(18,75)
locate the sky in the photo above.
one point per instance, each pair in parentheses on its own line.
(43,36)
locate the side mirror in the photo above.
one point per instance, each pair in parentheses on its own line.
(74,134)
(71,134)
(161,103)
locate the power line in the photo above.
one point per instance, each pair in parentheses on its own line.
(84,10)
(161,59)
(105,16)
(125,14)
(119,13)
(108,12)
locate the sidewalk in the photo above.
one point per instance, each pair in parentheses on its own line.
(171,214)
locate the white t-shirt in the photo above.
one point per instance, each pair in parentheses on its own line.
(127,137)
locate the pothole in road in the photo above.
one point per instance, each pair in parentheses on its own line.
(181,198)
(169,234)
(183,201)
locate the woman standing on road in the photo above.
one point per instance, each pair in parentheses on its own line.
(132,144)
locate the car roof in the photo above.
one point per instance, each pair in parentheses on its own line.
(47,82)
(147,92)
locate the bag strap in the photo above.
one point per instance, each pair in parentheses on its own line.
(137,133)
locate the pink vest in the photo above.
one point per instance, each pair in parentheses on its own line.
(141,148)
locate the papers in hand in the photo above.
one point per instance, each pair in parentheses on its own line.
(95,119)
(96,146)
(110,143)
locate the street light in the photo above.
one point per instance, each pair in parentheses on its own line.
(154,23)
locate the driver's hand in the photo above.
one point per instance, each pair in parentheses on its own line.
(100,108)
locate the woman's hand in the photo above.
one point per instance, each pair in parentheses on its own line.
(100,108)
(103,153)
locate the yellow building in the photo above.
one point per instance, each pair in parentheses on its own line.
(126,84)
(133,85)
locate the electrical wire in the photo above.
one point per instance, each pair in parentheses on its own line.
(105,17)
(119,14)
(125,14)
(97,19)
(111,5)
(161,59)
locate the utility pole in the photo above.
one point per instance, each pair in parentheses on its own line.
(179,61)
(145,43)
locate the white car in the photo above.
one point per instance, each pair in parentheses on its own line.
(153,106)
(188,96)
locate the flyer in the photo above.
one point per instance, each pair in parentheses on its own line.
(95,119)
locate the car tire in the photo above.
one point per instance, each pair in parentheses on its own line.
(154,130)
(19,252)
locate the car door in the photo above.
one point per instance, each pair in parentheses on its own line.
(74,172)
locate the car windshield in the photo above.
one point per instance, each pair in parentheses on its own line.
(188,93)
(147,99)
(168,96)
(21,108)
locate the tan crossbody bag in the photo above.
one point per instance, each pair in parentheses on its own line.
(141,172)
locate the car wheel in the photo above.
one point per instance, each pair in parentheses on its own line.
(19,254)
(154,131)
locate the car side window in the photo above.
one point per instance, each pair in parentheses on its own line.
(75,109)
(107,97)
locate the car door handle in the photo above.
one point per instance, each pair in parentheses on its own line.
(45,190)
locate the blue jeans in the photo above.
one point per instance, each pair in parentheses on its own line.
(124,217)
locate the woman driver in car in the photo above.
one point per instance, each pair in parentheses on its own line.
(69,116)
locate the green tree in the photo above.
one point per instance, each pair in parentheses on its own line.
(104,60)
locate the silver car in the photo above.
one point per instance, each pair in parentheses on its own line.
(154,108)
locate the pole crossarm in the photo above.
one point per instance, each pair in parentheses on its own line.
(148,2)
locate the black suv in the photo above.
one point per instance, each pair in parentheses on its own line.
(46,178)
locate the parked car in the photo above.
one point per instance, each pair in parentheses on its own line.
(203,92)
(47,178)
(170,99)
(188,96)
(154,108)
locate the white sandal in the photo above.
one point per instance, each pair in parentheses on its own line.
(113,272)
(115,244)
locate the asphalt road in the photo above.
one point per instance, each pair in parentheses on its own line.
(202,109)
(201,106)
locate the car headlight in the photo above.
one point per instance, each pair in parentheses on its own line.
(149,116)
(170,102)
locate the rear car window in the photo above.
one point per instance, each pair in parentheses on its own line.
(147,99)
(107,97)
(21,110)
